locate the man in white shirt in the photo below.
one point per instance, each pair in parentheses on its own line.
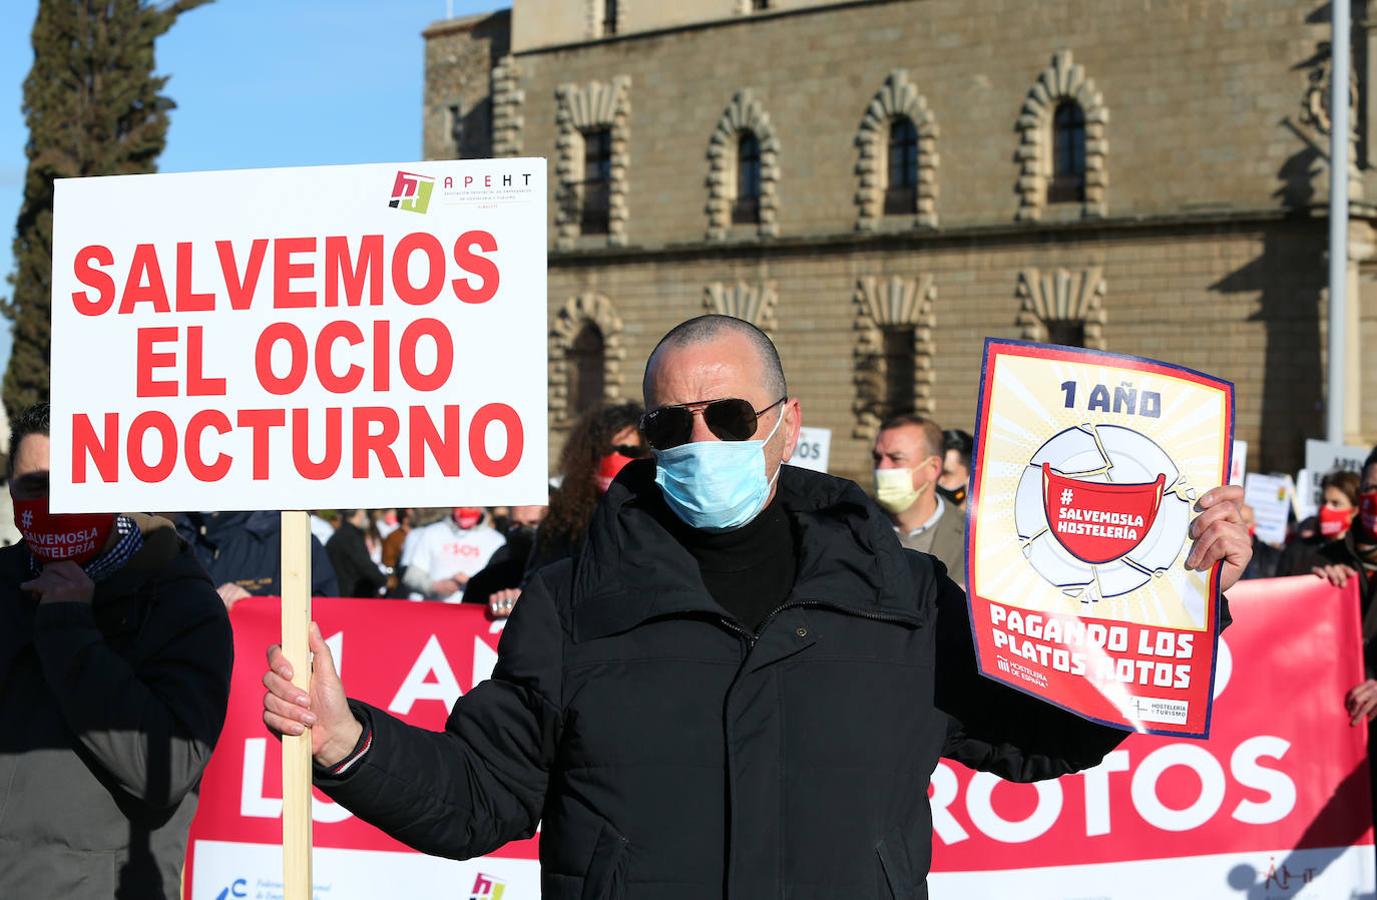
(439,558)
(908,462)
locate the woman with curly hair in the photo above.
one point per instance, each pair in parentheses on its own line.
(603,440)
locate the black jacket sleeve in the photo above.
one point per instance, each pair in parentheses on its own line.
(994,728)
(148,724)
(355,571)
(481,782)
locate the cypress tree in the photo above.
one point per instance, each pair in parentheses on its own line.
(93,107)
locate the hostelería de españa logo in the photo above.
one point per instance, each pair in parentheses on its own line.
(411,192)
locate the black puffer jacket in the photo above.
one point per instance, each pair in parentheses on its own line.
(108,715)
(670,754)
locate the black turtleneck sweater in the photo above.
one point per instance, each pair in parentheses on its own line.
(750,570)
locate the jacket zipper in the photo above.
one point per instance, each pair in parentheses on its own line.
(733,625)
(751,639)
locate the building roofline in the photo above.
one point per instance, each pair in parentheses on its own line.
(461,23)
(734,21)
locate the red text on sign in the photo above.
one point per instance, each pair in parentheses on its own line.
(306,272)
(363,442)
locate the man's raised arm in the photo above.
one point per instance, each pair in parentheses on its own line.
(458,793)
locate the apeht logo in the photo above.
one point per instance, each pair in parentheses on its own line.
(411,192)
(485,887)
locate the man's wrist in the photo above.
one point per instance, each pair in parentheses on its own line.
(334,752)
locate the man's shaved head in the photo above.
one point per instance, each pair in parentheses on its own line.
(703,329)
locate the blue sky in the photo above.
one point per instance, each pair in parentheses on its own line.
(258,83)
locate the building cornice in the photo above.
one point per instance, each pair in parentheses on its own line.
(1116,228)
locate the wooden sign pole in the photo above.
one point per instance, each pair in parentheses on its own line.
(296,751)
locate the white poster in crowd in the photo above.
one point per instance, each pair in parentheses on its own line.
(1321,458)
(310,338)
(1270,498)
(1306,503)
(1238,467)
(814,448)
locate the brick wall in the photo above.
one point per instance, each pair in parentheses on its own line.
(1238,301)
(1204,100)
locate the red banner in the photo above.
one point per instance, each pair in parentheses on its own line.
(1276,799)
(411,659)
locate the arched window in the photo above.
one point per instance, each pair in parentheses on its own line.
(901,368)
(1068,154)
(746,205)
(1067,332)
(901,191)
(587,369)
(595,195)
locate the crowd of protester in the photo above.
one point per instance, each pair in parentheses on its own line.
(483,556)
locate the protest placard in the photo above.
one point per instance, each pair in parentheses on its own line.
(1087,469)
(1270,497)
(813,449)
(1239,466)
(350,336)
(1321,458)
(314,338)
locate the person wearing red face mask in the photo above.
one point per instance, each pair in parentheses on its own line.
(602,441)
(1355,556)
(1338,508)
(115,658)
(440,558)
(599,446)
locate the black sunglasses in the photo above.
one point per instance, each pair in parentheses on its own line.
(731,419)
(630,451)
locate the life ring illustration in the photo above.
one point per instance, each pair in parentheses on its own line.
(1100,510)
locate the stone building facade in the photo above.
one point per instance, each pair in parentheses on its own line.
(882,184)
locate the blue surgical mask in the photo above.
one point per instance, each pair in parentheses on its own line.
(716,485)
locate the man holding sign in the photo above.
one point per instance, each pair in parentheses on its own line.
(739,689)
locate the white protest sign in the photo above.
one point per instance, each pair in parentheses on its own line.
(1321,458)
(1306,503)
(1325,456)
(1270,498)
(359,336)
(814,448)
(1238,466)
